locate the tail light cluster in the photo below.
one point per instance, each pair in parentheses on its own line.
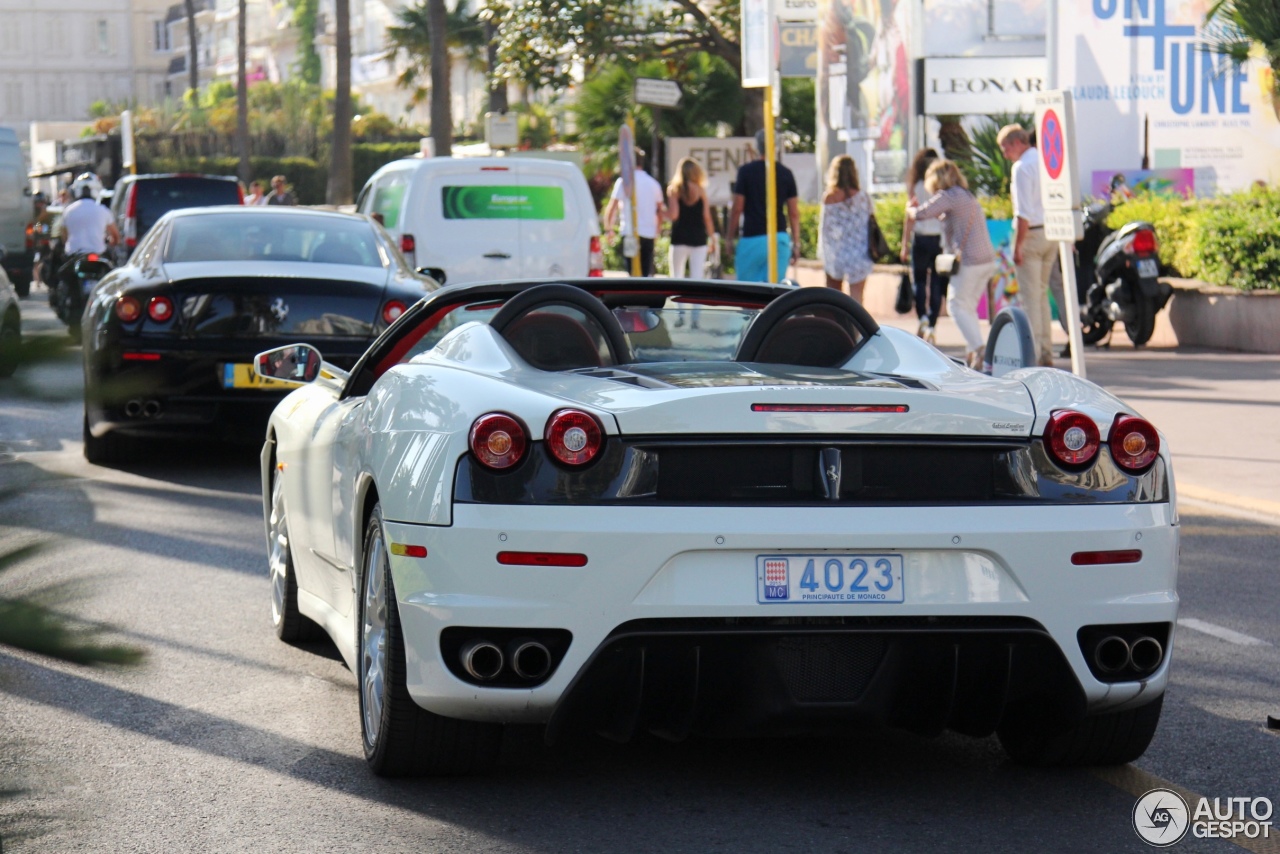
(159,309)
(391,311)
(574,438)
(131,217)
(595,264)
(1072,440)
(1144,242)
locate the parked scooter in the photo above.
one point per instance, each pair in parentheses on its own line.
(70,291)
(1117,271)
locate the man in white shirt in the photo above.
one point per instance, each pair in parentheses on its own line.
(1032,253)
(649,202)
(86,224)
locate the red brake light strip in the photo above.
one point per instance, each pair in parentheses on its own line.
(1100,558)
(830,407)
(541,559)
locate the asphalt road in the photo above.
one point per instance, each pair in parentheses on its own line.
(228,740)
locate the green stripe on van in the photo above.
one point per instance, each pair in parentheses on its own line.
(503,203)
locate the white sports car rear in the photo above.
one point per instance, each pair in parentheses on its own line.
(720,509)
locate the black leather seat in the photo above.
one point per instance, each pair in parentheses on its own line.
(554,341)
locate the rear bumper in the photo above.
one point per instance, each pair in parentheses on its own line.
(670,589)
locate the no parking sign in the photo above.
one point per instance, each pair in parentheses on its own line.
(1059,184)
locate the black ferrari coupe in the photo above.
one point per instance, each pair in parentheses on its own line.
(169,338)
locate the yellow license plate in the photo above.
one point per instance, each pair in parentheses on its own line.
(243,376)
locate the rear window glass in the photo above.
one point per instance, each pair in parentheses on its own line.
(267,237)
(157,196)
(511,202)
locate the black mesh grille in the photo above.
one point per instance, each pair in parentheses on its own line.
(829,669)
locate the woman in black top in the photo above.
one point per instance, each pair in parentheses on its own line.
(690,217)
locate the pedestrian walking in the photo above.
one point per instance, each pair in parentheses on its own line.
(280,195)
(1032,254)
(965,230)
(921,246)
(690,215)
(842,234)
(751,259)
(648,204)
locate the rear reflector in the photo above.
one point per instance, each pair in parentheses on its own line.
(403,550)
(541,559)
(407,243)
(830,407)
(133,356)
(495,169)
(1099,558)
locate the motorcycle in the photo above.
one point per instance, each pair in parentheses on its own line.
(70,292)
(1117,271)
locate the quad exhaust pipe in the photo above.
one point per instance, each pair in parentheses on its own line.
(142,408)
(1113,654)
(485,661)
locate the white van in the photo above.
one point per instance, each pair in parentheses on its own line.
(478,219)
(15,211)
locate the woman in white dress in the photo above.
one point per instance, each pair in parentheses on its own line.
(842,245)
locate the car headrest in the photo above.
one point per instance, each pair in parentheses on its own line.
(545,296)
(552,342)
(808,327)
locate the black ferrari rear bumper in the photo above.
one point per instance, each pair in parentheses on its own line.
(765,677)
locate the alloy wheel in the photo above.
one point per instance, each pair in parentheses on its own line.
(373,639)
(278,530)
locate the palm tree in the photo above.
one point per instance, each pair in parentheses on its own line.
(1236,28)
(193,73)
(414,35)
(242,95)
(339,190)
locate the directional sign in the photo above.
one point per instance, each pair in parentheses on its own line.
(657,93)
(1059,183)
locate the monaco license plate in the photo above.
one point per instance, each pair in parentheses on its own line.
(1148,268)
(243,376)
(829,578)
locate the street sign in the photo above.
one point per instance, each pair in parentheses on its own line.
(501,130)
(1059,176)
(758,60)
(657,93)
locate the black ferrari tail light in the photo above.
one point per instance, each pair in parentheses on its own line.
(498,440)
(128,309)
(391,311)
(160,309)
(573,437)
(1071,438)
(1134,443)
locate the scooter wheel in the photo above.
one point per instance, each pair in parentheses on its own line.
(1095,328)
(1140,323)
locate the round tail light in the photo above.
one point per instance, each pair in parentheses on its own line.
(128,309)
(391,311)
(573,437)
(1134,443)
(498,440)
(1071,438)
(160,309)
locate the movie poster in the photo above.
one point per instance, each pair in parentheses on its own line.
(1138,70)
(864,87)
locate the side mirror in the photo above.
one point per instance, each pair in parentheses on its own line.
(434,272)
(296,363)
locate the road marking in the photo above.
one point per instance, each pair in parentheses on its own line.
(1221,632)
(1136,782)
(1213,496)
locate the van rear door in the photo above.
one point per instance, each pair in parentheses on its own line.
(556,228)
(474,211)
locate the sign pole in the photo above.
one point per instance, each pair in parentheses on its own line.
(770,187)
(635,214)
(1060,194)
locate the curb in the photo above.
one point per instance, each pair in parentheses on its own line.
(1240,502)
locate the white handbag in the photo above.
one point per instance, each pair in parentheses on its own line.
(946,264)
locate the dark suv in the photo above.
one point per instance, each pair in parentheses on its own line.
(140,200)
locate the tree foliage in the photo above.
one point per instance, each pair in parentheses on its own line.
(1236,28)
(410,36)
(306,14)
(543,43)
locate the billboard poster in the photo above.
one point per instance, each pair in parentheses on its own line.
(1127,183)
(864,86)
(1138,68)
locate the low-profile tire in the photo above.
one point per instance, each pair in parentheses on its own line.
(290,625)
(10,346)
(105,450)
(22,286)
(402,739)
(1112,738)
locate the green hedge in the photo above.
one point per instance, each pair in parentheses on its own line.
(369,157)
(1232,240)
(306,177)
